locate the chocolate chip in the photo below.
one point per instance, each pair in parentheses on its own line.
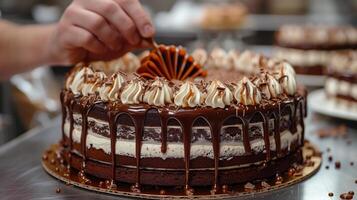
(330,158)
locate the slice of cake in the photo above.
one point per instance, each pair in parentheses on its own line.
(341,82)
(308,47)
(174,123)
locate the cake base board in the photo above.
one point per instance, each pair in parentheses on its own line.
(54,165)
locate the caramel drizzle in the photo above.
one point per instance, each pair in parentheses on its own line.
(170,62)
(186,121)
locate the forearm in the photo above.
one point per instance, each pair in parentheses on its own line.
(23,47)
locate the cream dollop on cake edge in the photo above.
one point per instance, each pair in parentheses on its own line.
(269,78)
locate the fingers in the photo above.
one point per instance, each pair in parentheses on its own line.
(97,29)
(136,12)
(116,16)
(94,24)
(79,37)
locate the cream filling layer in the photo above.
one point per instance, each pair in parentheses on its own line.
(152,149)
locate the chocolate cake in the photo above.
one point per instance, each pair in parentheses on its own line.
(341,82)
(176,123)
(308,47)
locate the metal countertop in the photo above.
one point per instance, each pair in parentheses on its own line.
(22,176)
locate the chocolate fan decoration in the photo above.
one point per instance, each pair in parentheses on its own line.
(170,62)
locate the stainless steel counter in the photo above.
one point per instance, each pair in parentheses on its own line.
(22,176)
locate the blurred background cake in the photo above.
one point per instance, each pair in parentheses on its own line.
(341,82)
(223,16)
(309,47)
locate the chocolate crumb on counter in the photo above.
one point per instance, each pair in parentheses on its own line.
(346,196)
(330,158)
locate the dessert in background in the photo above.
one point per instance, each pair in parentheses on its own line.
(223,16)
(308,47)
(341,82)
(176,123)
(287,7)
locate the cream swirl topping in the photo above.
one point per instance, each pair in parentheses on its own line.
(248,62)
(217,58)
(188,95)
(133,92)
(269,86)
(90,86)
(232,58)
(118,83)
(104,90)
(200,56)
(218,95)
(247,93)
(286,77)
(79,78)
(110,89)
(159,93)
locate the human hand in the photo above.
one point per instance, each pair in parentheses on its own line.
(99,30)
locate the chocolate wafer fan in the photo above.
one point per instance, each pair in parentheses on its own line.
(171,62)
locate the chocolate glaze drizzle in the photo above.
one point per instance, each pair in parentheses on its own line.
(112,119)
(215,118)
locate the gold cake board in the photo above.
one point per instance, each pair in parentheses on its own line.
(52,164)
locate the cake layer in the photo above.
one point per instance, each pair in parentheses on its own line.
(199,148)
(197,177)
